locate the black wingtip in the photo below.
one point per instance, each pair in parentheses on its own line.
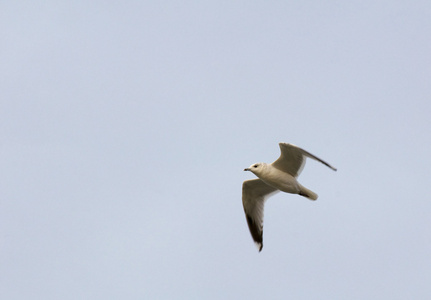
(256,234)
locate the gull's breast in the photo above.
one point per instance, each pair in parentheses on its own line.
(280,180)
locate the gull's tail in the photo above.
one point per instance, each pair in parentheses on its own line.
(307,193)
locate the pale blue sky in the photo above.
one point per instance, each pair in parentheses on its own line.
(125,127)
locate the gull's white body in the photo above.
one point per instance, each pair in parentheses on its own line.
(271,176)
(278,176)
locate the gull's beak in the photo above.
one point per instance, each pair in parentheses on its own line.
(246,169)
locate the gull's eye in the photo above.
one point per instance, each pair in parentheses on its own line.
(255,166)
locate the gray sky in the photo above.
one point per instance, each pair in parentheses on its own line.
(125,127)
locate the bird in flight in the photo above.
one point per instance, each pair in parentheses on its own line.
(281,175)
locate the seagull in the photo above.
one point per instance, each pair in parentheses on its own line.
(281,175)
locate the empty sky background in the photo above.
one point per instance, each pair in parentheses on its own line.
(125,128)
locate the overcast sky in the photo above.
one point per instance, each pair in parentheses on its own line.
(125,127)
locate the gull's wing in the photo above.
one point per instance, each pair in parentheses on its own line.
(292,159)
(254,194)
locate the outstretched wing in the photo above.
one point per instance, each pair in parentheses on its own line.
(292,159)
(254,194)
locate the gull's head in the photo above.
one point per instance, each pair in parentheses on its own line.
(255,168)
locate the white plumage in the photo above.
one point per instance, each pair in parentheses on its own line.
(279,176)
